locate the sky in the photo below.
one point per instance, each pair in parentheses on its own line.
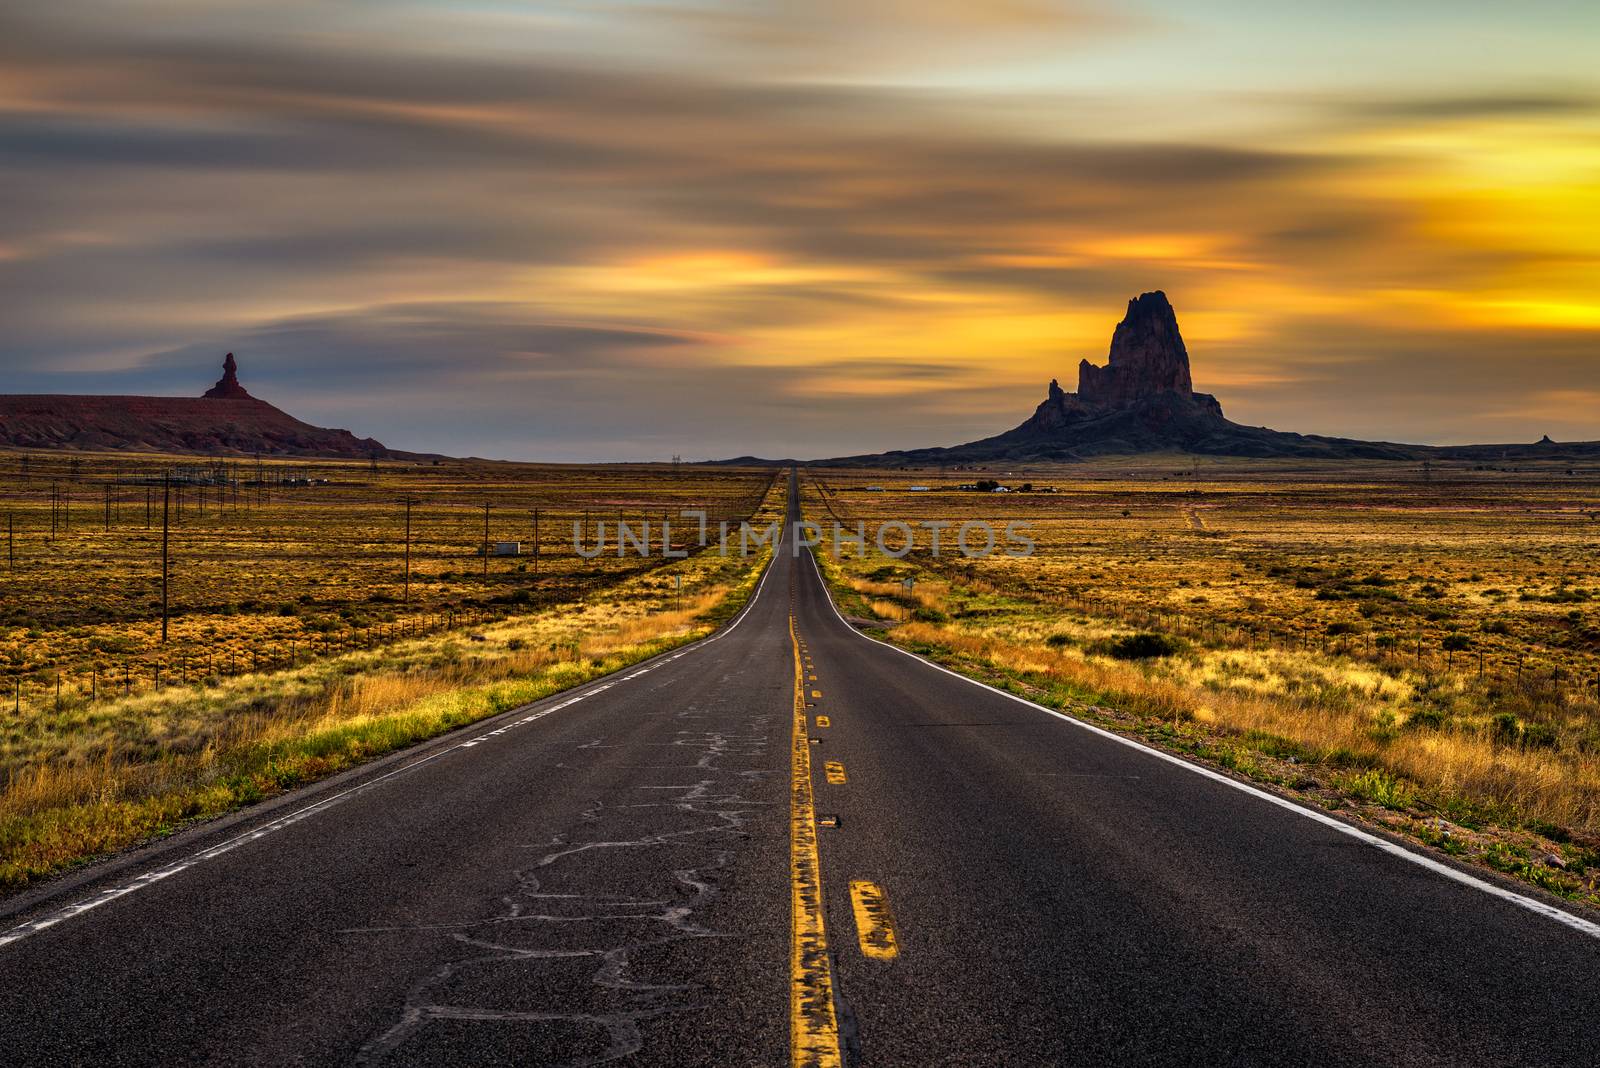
(628,229)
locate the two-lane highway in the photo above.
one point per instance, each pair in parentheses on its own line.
(790,844)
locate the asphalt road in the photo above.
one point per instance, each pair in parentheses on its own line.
(631,873)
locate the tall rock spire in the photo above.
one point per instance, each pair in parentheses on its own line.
(1147,357)
(228,387)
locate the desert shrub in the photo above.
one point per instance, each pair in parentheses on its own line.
(1504,728)
(1538,736)
(109,643)
(1142,646)
(1426,718)
(1381,788)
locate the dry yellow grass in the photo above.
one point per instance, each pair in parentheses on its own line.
(1417,645)
(276,562)
(1540,784)
(103,775)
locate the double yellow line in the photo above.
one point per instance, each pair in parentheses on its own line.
(813,1024)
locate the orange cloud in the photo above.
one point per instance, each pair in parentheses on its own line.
(950,243)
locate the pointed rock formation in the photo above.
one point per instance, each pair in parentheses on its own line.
(243,425)
(1141,401)
(228,387)
(1147,357)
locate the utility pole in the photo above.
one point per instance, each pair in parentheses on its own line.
(408,502)
(11,541)
(486,541)
(166,500)
(108,507)
(536,541)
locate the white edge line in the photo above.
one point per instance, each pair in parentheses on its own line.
(1577,923)
(150,878)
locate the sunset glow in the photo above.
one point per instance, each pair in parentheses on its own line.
(885,225)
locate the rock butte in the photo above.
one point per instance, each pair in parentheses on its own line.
(1143,401)
(227,420)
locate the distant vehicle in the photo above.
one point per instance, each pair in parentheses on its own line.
(918,489)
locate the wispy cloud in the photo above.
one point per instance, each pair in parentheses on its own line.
(786,229)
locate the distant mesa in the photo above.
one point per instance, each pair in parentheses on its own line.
(226,420)
(1143,401)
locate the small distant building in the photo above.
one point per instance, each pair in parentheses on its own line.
(508,548)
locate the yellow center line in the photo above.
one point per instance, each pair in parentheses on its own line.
(835,772)
(874,921)
(824,721)
(813,1025)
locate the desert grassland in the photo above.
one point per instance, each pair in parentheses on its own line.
(1419,647)
(95,775)
(302,558)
